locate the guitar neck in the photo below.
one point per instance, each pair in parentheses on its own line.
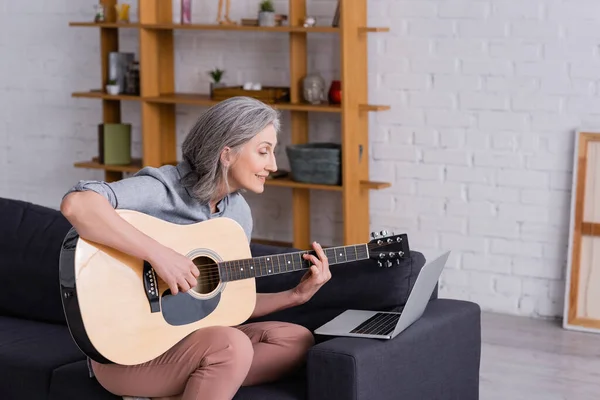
(257,267)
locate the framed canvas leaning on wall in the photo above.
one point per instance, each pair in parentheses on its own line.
(582,293)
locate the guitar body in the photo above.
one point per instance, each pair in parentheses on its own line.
(107,295)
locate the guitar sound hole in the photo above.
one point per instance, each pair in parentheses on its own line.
(209,275)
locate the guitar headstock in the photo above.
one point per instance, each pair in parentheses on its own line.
(388,249)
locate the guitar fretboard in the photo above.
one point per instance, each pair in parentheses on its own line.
(281,263)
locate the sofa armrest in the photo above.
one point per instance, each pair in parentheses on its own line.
(438,357)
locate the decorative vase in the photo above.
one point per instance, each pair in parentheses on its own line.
(115,140)
(186,11)
(266,18)
(112,89)
(122,11)
(314,88)
(335,92)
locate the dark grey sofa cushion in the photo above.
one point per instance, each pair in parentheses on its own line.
(30,241)
(29,352)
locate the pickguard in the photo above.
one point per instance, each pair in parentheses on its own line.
(183,308)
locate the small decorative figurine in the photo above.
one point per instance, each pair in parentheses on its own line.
(314,89)
(224,20)
(98,13)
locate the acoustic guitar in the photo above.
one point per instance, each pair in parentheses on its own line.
(119,310)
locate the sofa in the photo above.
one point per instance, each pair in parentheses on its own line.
(438,357)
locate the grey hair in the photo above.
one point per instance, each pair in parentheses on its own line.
(229,123)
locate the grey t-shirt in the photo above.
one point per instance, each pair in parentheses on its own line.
(158,192)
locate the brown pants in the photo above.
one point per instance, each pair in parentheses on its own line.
(212,363)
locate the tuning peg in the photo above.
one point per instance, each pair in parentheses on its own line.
(374,235)
(397,261)
(388,263)
(379,264)
(391,254)
(383,233)
(381,255)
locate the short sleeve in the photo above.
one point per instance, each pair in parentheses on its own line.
(138,193)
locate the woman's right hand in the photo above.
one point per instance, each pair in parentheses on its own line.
(178,271)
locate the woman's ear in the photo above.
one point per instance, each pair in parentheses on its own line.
(226,157)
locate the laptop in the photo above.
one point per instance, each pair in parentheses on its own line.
(388,324)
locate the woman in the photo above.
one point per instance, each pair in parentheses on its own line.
(230,149)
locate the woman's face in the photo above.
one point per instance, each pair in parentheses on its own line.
(255,162)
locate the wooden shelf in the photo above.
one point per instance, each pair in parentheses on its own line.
(216,27)
(372,107)
(136,165)
(372,30)
(375,185)
(205,100)
(112,25)
(105,96)
(288,182)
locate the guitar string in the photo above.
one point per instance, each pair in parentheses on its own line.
(214,268)
(211,266)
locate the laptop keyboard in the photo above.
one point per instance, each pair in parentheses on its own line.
(378,324)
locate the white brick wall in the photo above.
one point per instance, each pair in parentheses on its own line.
(485,95)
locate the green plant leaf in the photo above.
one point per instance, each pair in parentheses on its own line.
(267,6)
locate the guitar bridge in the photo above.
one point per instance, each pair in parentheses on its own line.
(151,287)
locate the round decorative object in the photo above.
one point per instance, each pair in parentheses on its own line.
(309,22)
(335,92)
(314,89)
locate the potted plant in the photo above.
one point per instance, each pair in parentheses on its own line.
(266,14)
(112,87)
(216,75)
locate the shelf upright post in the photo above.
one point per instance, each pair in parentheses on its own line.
(355,122)
(111,109)
(299,121)
(157,77)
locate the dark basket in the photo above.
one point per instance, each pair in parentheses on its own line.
(316,163)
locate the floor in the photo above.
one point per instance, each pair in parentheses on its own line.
(524,358)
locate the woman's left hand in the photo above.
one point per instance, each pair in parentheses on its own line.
(314,278)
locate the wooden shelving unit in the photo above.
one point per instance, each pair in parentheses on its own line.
(158,101)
